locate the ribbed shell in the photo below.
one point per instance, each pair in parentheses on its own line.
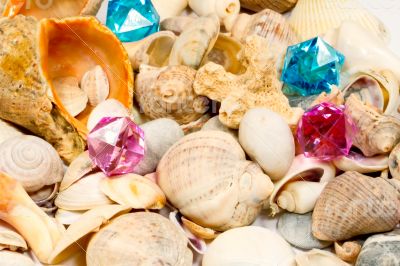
(277,5)
(353,204)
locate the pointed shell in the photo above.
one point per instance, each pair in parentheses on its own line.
(108,108)
(32,161)
(10,258)
(364,205)
(280,6)
(10,239)
(357,162)
(95,84)
(148,238)
(79,167)
(219,188)
(317,257)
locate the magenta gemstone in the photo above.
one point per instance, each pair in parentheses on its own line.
(116,145)
(325,132)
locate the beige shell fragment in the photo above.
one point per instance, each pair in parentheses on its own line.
(258,86)
(361,164)
(95,84)
(318,257)
(280,6)
(348,251)
(176,24)
(79,167)
(73,98)
(11,258)
(10,239)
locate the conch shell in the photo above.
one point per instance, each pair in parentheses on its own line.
(49,51)
(258,86)
(353,204)
(280,6)
(221,189)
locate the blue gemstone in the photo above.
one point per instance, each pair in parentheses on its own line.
(311,67)
(132,20)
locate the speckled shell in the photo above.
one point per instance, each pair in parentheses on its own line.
(141,238)
(206,176)
(277,5)
(353,204)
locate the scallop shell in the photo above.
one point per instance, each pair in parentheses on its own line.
(95,83)
(353,204)
(296,229)
(357,162)
(301,186)
(10,258)
(315,17)
(140,238)
(43,54)
(317,257)
(249,245)
(108,108)
(7,130)
(195,42)
(71,96)
(280,6)
(168,93)
(32,161)
(169,9)
(9,239)
(221,189)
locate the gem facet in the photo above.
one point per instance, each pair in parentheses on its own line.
(116,145)
(311,67)
(132,20)
(325,132)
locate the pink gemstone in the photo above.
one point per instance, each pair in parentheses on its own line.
(325,132)
(116,145)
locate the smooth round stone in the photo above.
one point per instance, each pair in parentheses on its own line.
(296,229)
(159,136)
(215,124)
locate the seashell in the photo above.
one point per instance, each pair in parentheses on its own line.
(168,93)
(32,161)
(18,210)
(84,194)
(394,164)
(169,9)
(381,249)
(335,96)
(317,257)
(375,133)
(42,53)
(353,204)
(195,125)
(296,229)
(348,251)
(199,231)
(267,139)
(95,83)
(90,221)
(280,6)
(226,10)
(56,9)
(214,124)
(7,130)
(176,24)
(68,217)
(258,86)
(108,108)
(10,258)
(195,42)
(160,135)
(10,239)
(357,162)
(72,97)
(148,238)
(153,50)
(301,186)
(221,189)
(44,197)
(79,167)
(315,17)
(249,245)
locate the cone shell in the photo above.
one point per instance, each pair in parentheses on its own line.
(315,17)
(280,6)
(218,189)
(353,204)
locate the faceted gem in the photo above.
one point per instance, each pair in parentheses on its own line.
(132,20)
(116,145)
(311,67)
(325,132)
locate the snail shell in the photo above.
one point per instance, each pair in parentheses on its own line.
(32,161)
(10,258)
(394,162)
(95,83)
(348,251)
(7,130)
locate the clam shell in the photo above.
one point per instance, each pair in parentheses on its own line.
(10,239)
(249,245)
(140,238)
(108,108)
(280,6)
(32,161)
(357,162)
(10,258)
(72,97)
(296,229)
(317,257)
(67,217)
(95,84)
(353,204)
(7,130)
(221,189)
(315,17)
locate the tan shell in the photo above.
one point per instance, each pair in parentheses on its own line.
(95,84)
(353,204)
(134,191)
(148,239)
(357,162)
(176,24)
(168,93)
(258,86)
(32,161)
(376,133)
(10,258)
(195,42)
(280,6)
(199,231)
(9,239)
(394,162)
(72,97)
(348,251)
(218,189)
(8,130)
(109,108)
(318,257)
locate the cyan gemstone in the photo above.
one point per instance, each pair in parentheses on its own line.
(311,67)
(132,20)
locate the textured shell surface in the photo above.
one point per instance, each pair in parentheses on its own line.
(108,108)
(317,257)
(142,238)
(276,5)
(11,258)
(353,204)
(95,83)
(394,162)
(206,176)
(32,161)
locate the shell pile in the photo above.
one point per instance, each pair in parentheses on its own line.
(223,180)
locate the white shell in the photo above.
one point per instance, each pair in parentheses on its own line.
(171,8)
(95,83)
(32,161)
(72,97)
(108,108)
(67,217)
(10,239)
(10,258)
(360,163)
(7,130)
(317,257)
